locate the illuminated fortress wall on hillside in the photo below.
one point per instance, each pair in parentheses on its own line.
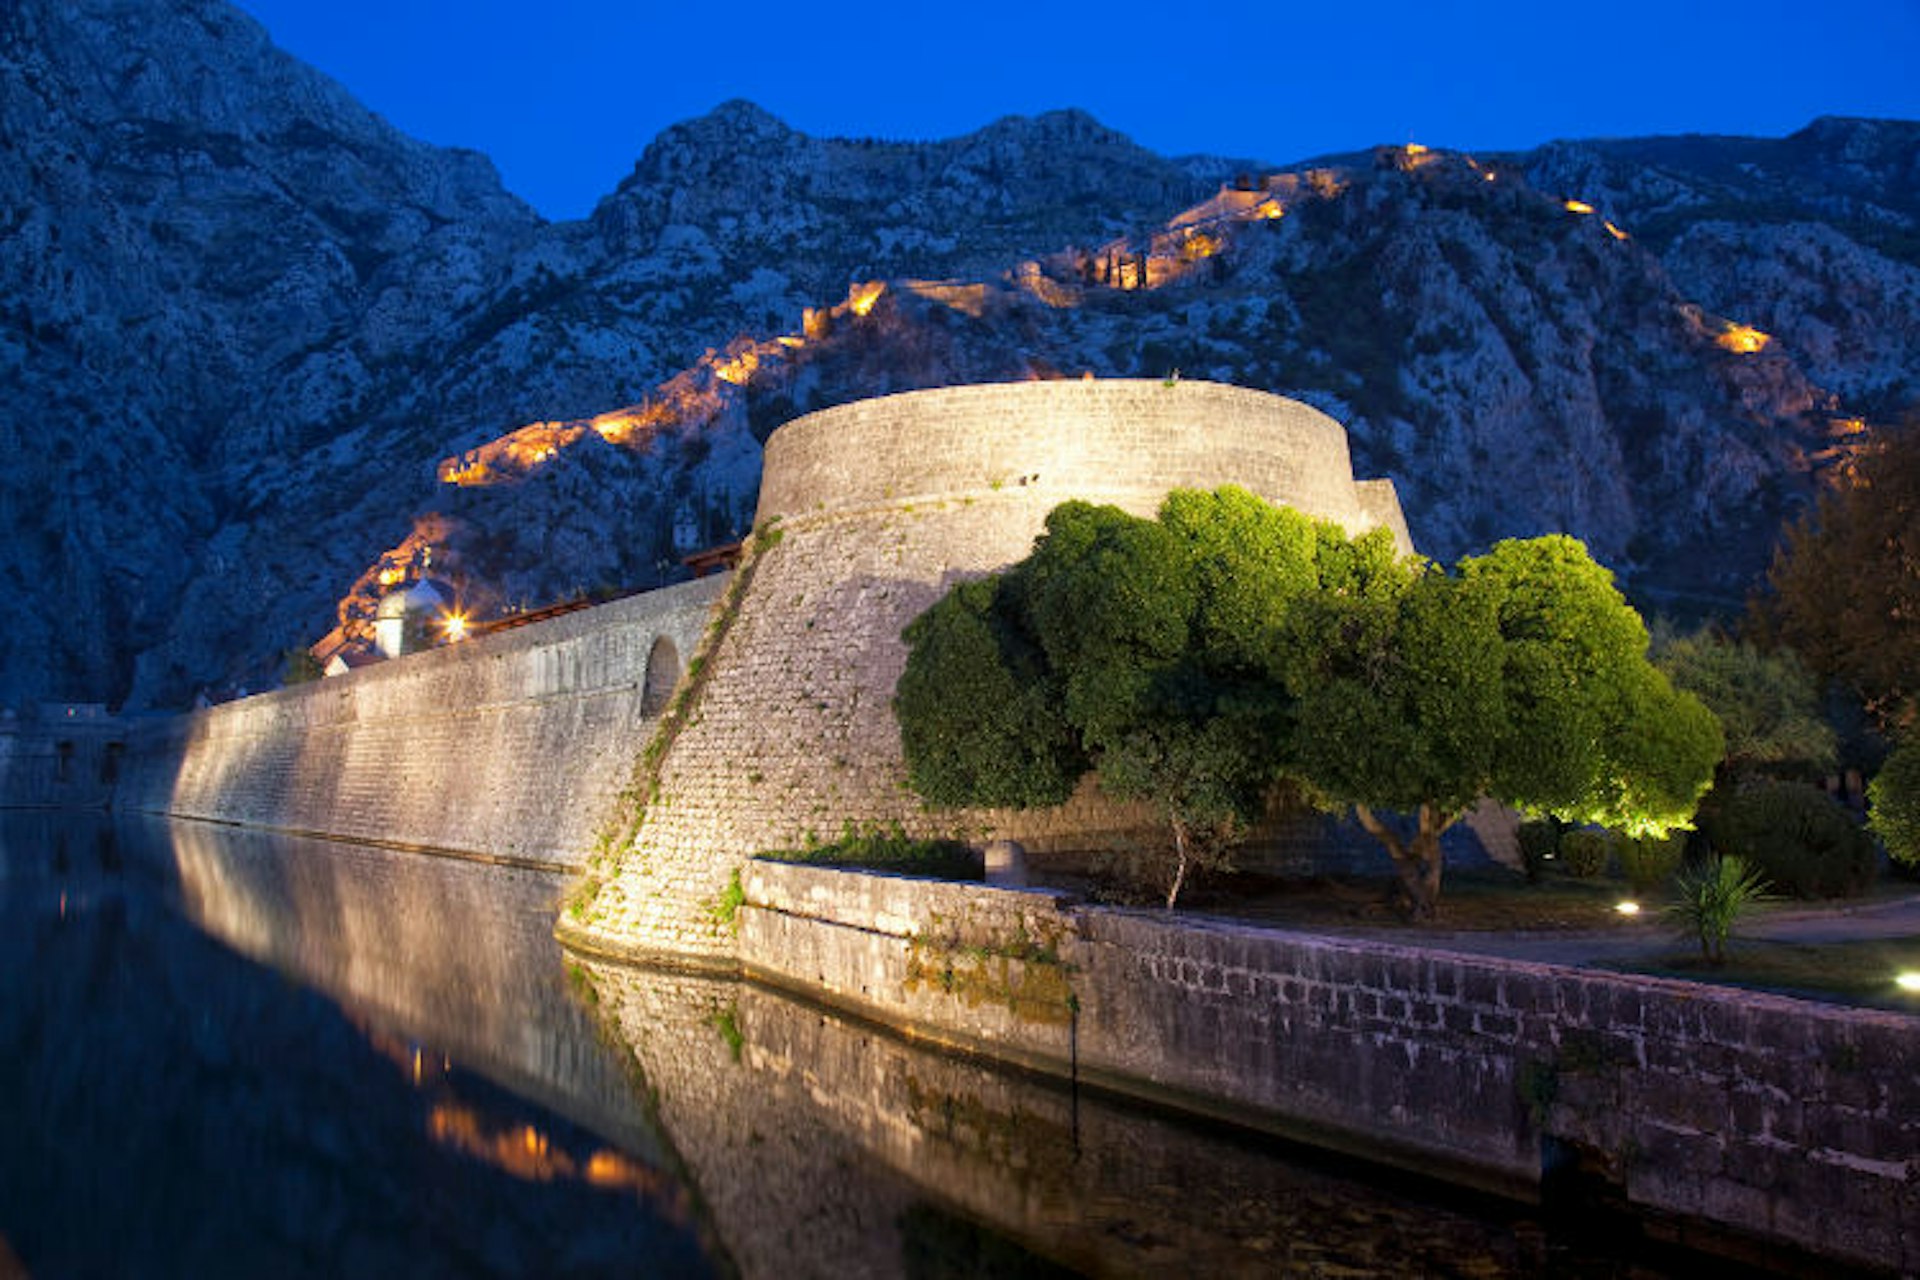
(516,745)
(880,507)
(509,746)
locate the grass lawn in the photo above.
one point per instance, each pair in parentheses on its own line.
(1475,901)
(1859,972)
(1497,901)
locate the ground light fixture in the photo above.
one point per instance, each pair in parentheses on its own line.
(1627,907)
(1908,980)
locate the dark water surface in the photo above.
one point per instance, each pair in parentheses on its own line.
(224,1053)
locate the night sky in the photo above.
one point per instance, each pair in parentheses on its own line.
(565,94)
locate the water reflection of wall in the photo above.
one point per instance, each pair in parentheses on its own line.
(459,954)
(171,1108)
(824,1147)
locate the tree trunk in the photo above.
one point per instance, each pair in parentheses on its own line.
(1416,862)
(1180,861)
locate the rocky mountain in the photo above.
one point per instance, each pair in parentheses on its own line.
(262,357)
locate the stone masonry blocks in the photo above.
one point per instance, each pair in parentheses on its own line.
(881,506)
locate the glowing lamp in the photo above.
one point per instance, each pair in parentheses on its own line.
(1627,908)
(1908,981)
(1578,206)
(454,627)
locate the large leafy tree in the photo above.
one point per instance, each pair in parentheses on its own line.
(1522,677)
(1196,659)
(1846,583)
(1128,645)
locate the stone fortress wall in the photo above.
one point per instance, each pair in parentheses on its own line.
(509,746)
(1779,1120)
(868,513)
(1737,1120)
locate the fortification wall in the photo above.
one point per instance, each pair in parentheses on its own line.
(1773,1120)
(509,746)
(880,507)
(1124,441)
(65,757)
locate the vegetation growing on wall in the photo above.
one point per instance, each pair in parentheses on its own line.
(1197,660)
(622,823)
(889,849)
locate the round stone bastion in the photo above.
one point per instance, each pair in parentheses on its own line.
(1124,441)
(879,508)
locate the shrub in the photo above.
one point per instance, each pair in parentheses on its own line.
(888,849)
(1585,853)
(1795,835)
(1710,901)
(1650,861)
(1539,844)
(1895,797)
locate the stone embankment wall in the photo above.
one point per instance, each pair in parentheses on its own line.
(1773,1120)
(66,757)
(823,1146)
(509,746)
(869,513)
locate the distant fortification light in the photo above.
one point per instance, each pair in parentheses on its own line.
(1743,339)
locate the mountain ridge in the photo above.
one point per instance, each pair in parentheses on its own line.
(235,369)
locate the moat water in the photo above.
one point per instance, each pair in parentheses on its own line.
(224,1053)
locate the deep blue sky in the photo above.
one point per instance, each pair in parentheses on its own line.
(565,94)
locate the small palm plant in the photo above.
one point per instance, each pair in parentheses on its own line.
(1711,898)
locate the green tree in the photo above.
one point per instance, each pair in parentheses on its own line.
(1144,622)
(981,713)
(1522,677)
(1126,645)
(1894,795)
(1767,702)
(1846,583)
(1196,660)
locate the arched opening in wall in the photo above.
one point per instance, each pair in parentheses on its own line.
(663,673)
(63,762)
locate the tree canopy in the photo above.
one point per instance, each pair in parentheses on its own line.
(1196,660)
(1767,701)
(1846,582)
(1523,677)
(1895,799)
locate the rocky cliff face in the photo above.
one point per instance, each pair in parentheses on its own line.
(258,350)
